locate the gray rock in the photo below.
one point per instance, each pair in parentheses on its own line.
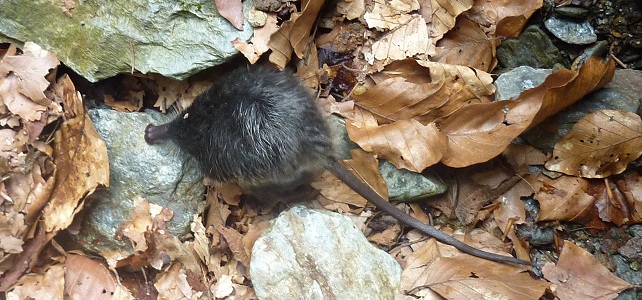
(632,250)
(407,186)
(314,254)
(625,272)
(160,174)
(571,31)
(622,93)
(99,39)
(574,12)
(511,84)
(532,48)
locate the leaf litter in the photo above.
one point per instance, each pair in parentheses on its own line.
(421,96)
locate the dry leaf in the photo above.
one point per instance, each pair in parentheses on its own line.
(579,275)
(406,143)
(611,203)
(366,167)
(480,132)
(171,92)
(521,157)
(441,15)
(466,45)
(294,34)
(86,278)
(234,240)
(503,18)
(352,9)
(388,238)
(173,284)
(22,81)
(49,285)
(464,276)
(407,40)
(566,199)
(122,106)
(231,10)
(631,187)
(599,145)
(80,155)
(423,90)
(389,15)
(260,39)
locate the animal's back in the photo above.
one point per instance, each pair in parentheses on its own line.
(258,127)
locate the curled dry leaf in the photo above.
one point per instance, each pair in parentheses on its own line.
(611,203)
(413,93)
(80,156)
(503,18)
(601,144)
(631,187)
(479,132)
(294,34)
(579,275)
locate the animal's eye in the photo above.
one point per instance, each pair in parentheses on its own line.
(185,116)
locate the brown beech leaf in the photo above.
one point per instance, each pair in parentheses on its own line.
(503,18)
(422,90)
(389,14)
(260,39)
(80,156)
(466,45)
(441,15)
(579,275)
(479,132)
(566,199)
(631,187)
(366,167)
(86,278)
(231,10)
(173,284)
(234,240)
(49,285)
(352,9)
(431,268)
(599,145)
(294,34)
(407,40)
(23,82)
(406,143)
(611,204)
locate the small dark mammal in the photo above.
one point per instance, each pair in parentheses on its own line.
(261,129)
